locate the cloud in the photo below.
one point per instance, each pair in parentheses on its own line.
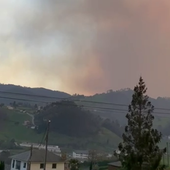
(86,46)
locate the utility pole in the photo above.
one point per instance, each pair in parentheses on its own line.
(46,144)
(163,159)
(167,153)
(29,161)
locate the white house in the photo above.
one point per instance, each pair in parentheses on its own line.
(34,160)
(80,154)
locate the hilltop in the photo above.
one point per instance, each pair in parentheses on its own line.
(115,104)
(10,93)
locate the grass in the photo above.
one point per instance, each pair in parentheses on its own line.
(11,130)
(103,141)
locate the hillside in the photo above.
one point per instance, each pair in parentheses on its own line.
(13,128)
(10,93)
(118,107)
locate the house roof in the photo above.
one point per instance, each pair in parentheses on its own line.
(38,155)
(81,152)
(116,164)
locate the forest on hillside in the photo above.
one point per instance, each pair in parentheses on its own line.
(70,119)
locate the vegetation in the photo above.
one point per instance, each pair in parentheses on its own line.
(100,165)
(2,165)
(140,149)
(77,121)
(74,164)
(5,157)
(68,119)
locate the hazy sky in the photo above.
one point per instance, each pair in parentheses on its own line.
(86,46)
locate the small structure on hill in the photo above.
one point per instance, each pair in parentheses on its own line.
(80,154)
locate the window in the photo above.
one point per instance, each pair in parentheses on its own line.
(24,166)
(54,166)
(41,166)
(13,163)
(18,165)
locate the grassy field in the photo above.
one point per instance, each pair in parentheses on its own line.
(104,141)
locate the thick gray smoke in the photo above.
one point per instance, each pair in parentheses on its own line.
(86,46)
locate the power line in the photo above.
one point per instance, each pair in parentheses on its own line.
(13,98)
(93,107)
(33,95)
(65,98)
(115,104)
(123,110)
(46,144)
(43,137)
(85,101)
(104,108)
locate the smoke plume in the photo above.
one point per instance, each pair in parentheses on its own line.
(86,46)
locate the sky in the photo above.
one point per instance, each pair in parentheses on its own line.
(86,46)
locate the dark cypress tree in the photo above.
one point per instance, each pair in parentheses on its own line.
(2,165)
(91,165)
(139,149)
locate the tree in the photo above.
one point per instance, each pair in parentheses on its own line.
(64,156)
(36,106)
(74,164)
(14,104)
(2,165)
(139,149)
(92,156)
(4,157)
(91,166)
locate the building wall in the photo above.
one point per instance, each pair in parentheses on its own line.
(36,166)
(21,165)
(51,148)
(82,156)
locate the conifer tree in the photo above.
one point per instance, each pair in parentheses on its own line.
(139,149)
(2,165)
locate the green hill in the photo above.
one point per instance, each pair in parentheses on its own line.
(13,128)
